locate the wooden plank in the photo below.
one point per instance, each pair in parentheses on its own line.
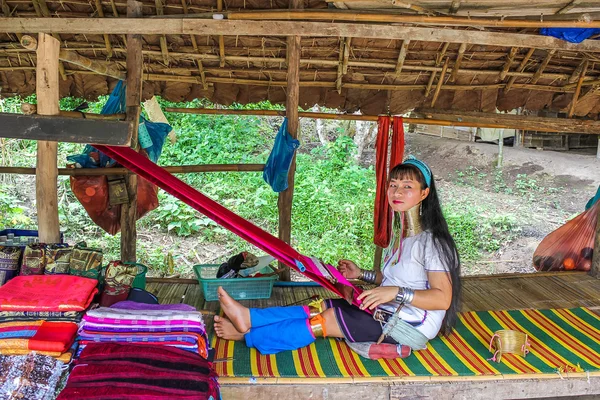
(64,129)
(188,26)
(46,182)
(133,98)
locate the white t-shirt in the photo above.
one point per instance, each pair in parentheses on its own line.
(418,257)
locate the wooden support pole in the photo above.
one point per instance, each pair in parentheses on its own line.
(438,62)
(521,68)
(402,56)
(438,88)
(454,6)
(542,67)
(285,200)
(578,89)
(46,181)
(133,98)
(41,9)
(456,67)
(568,7)
(509,60)
(577,72)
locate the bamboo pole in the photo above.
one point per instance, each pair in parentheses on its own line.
(509,61)
(543,66)
(438,88)
(106,37)
(578,89)
(432,117)
(521,68)
(195,46)
(163,38)
(46,182)
(402,56)
(42,10)
(456,67)
(365,16)
(181,169)
(221,38)
(29,109)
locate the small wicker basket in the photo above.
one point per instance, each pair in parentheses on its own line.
(508,341)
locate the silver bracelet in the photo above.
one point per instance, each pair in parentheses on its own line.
(368,276)
(405,295)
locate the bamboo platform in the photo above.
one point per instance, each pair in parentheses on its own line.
(480,293)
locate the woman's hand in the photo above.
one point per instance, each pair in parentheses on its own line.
(374,297)
(348,269)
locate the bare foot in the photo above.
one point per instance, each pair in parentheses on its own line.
(225,329)
(237,313)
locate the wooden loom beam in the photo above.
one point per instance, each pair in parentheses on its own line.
(181,169)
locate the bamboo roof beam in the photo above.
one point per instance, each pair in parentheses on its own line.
(195,46)
(456,66)
(41,9)
(100,12)
(402,56)
(433,117)
(578,89)
(509,61)
(440,82)
(577,71)
(542,66)
(396,18)
(343,62)
(6,12)
(108,69)
(568,7)
(521,68)
(454,6)
(113,6)
(410,6)
(221,38)
(181,26)
(438,62)
(164,49)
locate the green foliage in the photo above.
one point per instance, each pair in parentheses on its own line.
(13,212)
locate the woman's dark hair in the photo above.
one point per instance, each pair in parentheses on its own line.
(432,220)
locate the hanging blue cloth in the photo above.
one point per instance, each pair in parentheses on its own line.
(151,135)
(279,161)
(593,200)
(573,35)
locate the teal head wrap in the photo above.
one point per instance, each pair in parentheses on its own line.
(422,167)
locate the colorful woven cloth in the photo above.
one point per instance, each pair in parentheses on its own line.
(47,293)
(561,341)
(31,377)
(109,371)
(50,338)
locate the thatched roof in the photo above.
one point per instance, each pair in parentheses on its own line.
(374,75)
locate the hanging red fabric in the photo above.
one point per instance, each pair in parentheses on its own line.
(324,274)
(383,213)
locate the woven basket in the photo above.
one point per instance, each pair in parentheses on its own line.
(508,342)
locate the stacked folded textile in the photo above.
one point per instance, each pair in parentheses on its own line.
(39,313)
(110,371)
(175,325)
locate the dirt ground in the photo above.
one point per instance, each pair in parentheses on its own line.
(554,186)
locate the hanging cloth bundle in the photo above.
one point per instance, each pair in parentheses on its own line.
(383,212)
(332,279)
(280,160)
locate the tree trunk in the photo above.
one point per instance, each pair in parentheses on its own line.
(320,127)
(365,134)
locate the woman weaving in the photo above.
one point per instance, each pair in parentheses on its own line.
(419,284)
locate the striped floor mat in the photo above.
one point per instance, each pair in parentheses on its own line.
(561,341)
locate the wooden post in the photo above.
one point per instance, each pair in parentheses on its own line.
(133,98)
(46,179)
(284,203)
